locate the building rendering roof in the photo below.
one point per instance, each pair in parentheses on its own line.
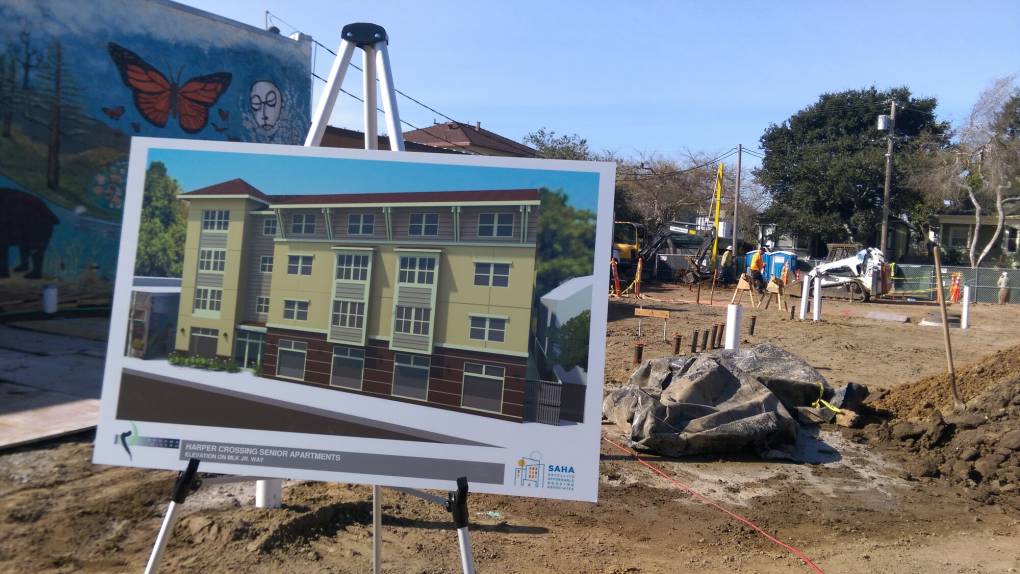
(240,188)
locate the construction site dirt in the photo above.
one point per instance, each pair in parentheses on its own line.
(868,502)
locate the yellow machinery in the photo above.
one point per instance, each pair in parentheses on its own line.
(628,240)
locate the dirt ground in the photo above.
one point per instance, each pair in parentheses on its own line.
(857,509)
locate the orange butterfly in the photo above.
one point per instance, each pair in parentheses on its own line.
(159,99)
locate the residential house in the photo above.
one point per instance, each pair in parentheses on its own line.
(422,297)
(956,231)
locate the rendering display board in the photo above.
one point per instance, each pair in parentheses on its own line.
(361,316)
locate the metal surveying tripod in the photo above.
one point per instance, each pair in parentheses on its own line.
(372,40)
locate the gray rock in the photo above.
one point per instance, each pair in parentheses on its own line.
(1010,440)
(905,430)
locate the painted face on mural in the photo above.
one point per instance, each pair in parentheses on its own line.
(266,103)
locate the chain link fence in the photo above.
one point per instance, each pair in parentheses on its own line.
(919,281)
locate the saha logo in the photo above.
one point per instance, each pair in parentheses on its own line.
(529,471)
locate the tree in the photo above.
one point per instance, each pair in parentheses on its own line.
(551,146)
(574,147)
(824,167)
(566,240)
(163,226)
(981,171)
(572,340)
(8,91)
(57,106)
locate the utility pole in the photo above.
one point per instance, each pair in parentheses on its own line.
(888,179)
(736,200)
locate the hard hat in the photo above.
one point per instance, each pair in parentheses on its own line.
(729,248)
(1004,273)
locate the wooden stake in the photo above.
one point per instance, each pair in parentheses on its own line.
(957,403)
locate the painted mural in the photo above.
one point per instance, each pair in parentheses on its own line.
(78,80)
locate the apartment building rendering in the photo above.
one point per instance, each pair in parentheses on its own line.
(421,297)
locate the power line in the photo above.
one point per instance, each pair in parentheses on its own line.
(642,176)
(402,120)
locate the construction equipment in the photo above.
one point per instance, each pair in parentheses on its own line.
(680,252)
(860,273)
(628,237)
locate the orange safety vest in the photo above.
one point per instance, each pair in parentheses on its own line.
(757,263)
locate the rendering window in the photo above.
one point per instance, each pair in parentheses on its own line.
(290,359)
(483,387)
(215,219)
(413,320)
(488,329)
(351,267)
(262,305)
(269,226)
(410,376)
(299,264)
(419,270)
(492,274)
(295,310)
(266,264)
(212,259)
(208,299)
(202,342)
(360,224)
(248,348)
(348,367)
(496,225)
(423,224)
(303,223)
(348,314)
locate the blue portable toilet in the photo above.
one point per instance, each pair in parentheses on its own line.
(775,261)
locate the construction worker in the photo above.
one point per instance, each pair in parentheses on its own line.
(725,263)
(756,268)
(1003,284)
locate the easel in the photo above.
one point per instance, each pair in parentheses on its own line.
(744,284)
(372,39)
(775,289)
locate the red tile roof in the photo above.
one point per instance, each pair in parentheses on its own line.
(233,187)
(456,135)
(241,187)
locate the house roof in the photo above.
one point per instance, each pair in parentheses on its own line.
(239,187)
(353,139)
(236,186)
(456,134)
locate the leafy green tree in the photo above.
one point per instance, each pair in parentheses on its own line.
(824,167)
(566,240)
(572,339)
(163,226)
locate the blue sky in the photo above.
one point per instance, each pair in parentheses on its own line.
(275,174)
(660,77)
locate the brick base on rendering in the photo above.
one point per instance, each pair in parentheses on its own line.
(446,372)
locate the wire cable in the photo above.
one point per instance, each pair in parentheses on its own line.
(642,176)
(713,504)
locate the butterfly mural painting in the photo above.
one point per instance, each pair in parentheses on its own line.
(158,99)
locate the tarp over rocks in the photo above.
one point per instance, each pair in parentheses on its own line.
(724,401)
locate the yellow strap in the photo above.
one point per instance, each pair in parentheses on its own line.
(821,403)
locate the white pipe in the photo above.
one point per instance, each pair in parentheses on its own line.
(805,295)
(164,534)
(816,312)
(965,316)
(733,315)
(368,94)
(269,493)
(376,529)
(389,98)
(327,99)
(467,560)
